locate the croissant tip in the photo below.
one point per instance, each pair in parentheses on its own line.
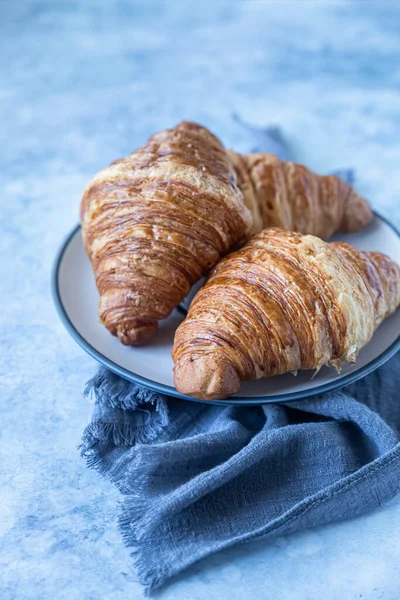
(358,213)
(138,334)
(206,379)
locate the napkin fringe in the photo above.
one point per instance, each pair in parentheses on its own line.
(113,394)
(109,389)
(147,566)
(117,434)
(96,442)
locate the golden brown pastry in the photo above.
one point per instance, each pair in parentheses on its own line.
(283,302)
(290,196)
(153,223)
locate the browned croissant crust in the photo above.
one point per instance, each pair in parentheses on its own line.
(153,223)
(283,302)
(290,196)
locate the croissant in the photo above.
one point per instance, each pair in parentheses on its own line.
(290,196)
(154,222)
(283,302)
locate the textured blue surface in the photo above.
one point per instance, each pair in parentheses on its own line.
(84,83)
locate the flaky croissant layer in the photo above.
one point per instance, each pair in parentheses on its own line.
(155,222)
(283,302)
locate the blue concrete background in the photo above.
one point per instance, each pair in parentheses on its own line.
(81,84)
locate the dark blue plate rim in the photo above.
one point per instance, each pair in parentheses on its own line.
(170,391)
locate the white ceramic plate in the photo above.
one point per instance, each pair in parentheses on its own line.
(76,299)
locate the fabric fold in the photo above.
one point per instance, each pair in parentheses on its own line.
(199,478)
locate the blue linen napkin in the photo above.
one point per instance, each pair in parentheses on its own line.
(197,478)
